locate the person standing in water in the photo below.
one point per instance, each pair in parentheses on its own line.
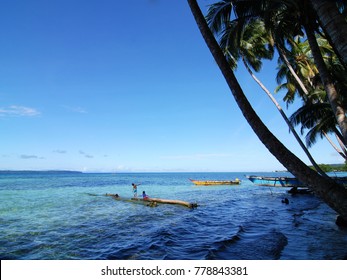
(135,189)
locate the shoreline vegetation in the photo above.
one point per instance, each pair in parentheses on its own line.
(333,167)
(327,168)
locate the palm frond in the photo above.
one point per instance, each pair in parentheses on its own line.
(218,15)
(317,118)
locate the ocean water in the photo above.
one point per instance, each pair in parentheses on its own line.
(66,216)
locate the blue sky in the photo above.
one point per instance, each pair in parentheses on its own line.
(122,86)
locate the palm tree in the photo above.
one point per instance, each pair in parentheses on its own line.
(285,19)
(218,19)
(334,194)
(297,69)
(334,97)
(334,25)
(253,44)
(312,92)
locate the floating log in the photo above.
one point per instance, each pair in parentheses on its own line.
(170,201)
(153,202)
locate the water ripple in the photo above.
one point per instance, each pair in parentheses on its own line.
(69,217)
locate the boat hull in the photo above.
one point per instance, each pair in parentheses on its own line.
(286,181)
(215,182)
(275,181)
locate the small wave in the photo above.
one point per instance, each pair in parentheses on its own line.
(125,254)
(264,246)
(92,194)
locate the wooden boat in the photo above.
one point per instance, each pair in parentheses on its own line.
(286,181)
(215,182)
(275,181)
(153,202)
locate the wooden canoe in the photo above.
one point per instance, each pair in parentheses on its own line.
(275,181)
(215,182)
(283,181)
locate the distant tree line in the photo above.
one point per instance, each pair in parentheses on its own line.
(334,167)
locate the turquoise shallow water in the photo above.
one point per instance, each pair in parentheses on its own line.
(67,216)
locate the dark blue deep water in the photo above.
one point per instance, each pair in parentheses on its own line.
(65,216)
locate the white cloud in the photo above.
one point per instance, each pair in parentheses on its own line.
(21,111)
(60,151)
(30,157)
(85,154)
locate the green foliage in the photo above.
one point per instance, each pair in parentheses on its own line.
(334,167)
(326,167)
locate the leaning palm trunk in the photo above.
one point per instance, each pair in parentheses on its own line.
(279,108)
(334,26)
(334,194)
(333,96)
(340,141)
(342,154)
(291,70)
